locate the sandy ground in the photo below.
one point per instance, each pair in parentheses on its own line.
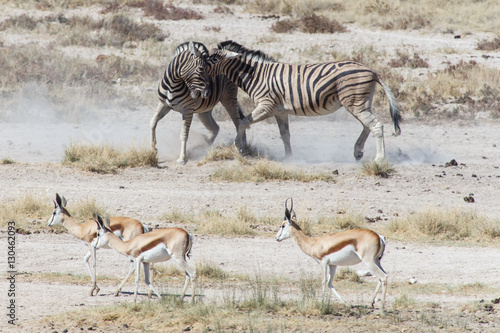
(36,140)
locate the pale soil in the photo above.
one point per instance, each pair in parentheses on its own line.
(422,181)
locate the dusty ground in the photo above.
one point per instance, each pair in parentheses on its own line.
(323,144)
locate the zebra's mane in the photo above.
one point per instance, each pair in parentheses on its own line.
(248,54)
(185,46)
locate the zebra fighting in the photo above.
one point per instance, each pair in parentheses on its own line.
(279,89)
(187,89)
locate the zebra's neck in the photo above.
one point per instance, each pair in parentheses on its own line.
(240,72)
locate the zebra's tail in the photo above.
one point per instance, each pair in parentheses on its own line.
(394,107)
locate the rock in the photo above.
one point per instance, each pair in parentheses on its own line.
(469,198)
(412,280)
(453,162)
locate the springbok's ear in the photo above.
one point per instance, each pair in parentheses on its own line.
(107,221)
(194,51)
(99,222)
(64,202)
(58,200)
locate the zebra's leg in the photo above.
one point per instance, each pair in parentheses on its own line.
(370,124)
(208,121)
(161,111)
(230,103)
(360,143)
(284,128)
(261,112)
(187,118)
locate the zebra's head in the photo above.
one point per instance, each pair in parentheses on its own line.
(220,60)
(194,72)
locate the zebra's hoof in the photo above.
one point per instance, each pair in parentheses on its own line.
(358,155)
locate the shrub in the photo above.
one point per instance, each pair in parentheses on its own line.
(309,24)
(106,159)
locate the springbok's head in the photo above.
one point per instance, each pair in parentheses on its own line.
(102,231)
(194,72)
(59,213)
(288,221)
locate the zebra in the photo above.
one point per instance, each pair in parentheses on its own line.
(187,89)
(279,89)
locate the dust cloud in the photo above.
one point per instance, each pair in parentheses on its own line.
(32,130)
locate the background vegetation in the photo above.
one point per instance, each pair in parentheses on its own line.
(115,56)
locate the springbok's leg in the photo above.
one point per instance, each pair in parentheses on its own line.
(129,274)
(148,282)
(92,253)
(190,276)
(137,263)
(380,273)
(151,271)
(331,273)
(161,111)
(208,121)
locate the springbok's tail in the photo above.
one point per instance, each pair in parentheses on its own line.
(190,245)
(382,241)
(394,107)
(146,229)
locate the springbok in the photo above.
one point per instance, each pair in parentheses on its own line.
(124,227)
(345,248)
(156,246)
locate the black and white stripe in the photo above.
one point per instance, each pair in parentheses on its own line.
(280,89)
(186,88)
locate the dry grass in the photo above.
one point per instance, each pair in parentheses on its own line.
(259,305)
(404,59)
(31,212)
(444,16)
(384,169)
(309,24)
(106,159)
(450,225)
(6,161)
(243,223)
(489,45)
(264,170)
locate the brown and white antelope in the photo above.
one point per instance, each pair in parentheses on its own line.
(156,246)
(345,248)
(123,227)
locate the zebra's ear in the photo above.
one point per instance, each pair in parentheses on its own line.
(231,54)
(194,51)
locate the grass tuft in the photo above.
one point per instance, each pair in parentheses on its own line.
(489,45)
(264,170)
(451,224)
(6,161)
(384,169)
(106,159)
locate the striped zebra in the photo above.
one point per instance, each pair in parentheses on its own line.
(187,89)
(280,89)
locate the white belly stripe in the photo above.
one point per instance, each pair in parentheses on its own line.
(159,253)
(345,257)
